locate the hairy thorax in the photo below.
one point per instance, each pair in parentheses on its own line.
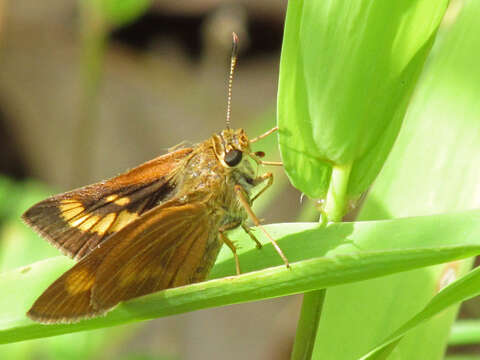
(203,178)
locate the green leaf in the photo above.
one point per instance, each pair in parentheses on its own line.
(462,289)
(433,168)
(321,256)
(347,72)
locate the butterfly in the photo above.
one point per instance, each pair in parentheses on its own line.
(157,226)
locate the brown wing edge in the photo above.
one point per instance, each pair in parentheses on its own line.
(45,216)
(74,307)
(65,320)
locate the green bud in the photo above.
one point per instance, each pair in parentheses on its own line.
(347,72)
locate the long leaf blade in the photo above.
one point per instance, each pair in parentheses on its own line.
(321,257)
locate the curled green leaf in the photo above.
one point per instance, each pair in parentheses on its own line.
(346,76)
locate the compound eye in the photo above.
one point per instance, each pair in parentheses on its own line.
(233,157)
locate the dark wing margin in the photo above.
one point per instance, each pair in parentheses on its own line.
(162,249)
(77,221)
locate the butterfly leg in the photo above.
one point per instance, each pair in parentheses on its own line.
(272,163)
(229,243)
(242,197)
(249,232)
(267,176)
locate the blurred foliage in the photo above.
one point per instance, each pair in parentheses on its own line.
(19,245)
(366,87)
(119,12)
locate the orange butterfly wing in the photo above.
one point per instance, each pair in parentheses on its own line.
(162,249)
(77,221)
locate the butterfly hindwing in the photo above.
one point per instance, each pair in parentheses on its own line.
(162,255)
(78,221)
(162,249)
(68,298)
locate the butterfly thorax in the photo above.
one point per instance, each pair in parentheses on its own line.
(206,176)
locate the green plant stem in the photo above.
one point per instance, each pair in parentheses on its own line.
(308,324)
(93,32)
(465,332)
(336,202)
(311,312)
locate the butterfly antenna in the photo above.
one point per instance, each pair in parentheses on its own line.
(233,61)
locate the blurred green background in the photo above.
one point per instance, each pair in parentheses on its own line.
(89,89)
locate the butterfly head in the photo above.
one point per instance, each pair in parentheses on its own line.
(231,146)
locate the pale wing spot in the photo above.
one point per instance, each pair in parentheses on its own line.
(70,214)
(104,224)
(70,208)
(75,223)
(79,281)
(111,197)
(64,206)
(91,221)
(127,277)
(123,219)
(122,201)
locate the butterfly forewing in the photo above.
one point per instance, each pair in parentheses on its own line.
(148,255)
(78,221)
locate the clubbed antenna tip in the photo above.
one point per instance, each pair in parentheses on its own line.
(234,44)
